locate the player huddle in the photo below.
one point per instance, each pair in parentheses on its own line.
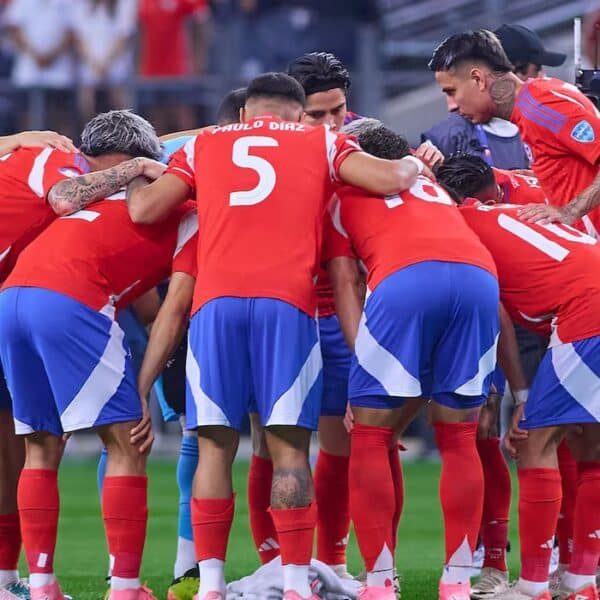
(331,282)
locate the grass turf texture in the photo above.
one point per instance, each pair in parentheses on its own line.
(81,557)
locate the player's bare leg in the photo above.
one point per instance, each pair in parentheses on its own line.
(260,479)
(579,580)
(12,457)
(38,502)
(213,506)
(461,494)
(125,510)
(292,505)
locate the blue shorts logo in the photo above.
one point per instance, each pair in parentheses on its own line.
(583,132)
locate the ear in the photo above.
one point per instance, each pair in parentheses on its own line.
(478,76)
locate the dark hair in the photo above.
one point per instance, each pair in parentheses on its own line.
(277,86)
(465,174)
(471,46)
(376,139)
(229,109)
(319,72)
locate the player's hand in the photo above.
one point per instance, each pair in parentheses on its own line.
(488,418)
(542,214)
(46,139)
(142,435)
(515,436)
(152,169)
(431,155)
(524,172)
(348,418)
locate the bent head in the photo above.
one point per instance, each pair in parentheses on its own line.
(376,139)
(325,80)
(274,94)
(469,176)
(475,74)
(117,135)
(231,106)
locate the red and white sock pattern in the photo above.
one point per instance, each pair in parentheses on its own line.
(332,496)
(211,524)
(496,503)
(295,530)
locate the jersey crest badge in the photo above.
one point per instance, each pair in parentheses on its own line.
(583,132)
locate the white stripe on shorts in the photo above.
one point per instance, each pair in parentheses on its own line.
(487,363)
(100,386)
(577,378)
(287,408)
(207,412)
(383,365)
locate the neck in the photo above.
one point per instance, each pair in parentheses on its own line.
(503,91)
(105,161)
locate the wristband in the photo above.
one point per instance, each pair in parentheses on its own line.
(520,396)
(417,162)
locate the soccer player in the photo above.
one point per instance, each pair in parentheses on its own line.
(548,283)
(558,123)
(412,341)
(261,187)
(35,187)
(96,261)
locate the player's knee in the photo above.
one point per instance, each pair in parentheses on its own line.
(43,451)
(585,443)
(124,458)
(257,434)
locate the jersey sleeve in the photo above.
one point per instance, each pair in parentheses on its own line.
(339,147)
(182,163)
(336,241)
(51,166)
(184,257)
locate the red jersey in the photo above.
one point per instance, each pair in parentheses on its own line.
(390,233)
(562,128)
(26,176)
(261,188)
(549,275)
(100,258)
(519,189)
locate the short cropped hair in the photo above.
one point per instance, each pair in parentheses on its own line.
(277,86)
(319,72)
(120,132)
(376,139)
(229,109)
(465,174)
(471,46)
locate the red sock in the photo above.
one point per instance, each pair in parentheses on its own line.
(125,513)
(211,523)
(397,478)
(295,530)
(333,521)
(568,475)
(10,541)
(38,501)
(496,503)
(372,495)
(539,505)
(461,489)
(586,538)
(260,479)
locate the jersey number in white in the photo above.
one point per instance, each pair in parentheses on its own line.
(241,157)
(422,189)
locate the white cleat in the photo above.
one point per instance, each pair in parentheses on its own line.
(18,590)
(514,593)
(491,583)
(478,557)
(555,581)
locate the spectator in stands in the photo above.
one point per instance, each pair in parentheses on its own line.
(173,45)
(40,32)
(103,32)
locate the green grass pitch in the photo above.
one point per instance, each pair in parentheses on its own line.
(81,557)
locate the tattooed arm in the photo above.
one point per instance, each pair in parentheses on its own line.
(73,194)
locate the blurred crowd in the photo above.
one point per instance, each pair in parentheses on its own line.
(88,55)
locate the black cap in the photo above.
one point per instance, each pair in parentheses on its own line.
(523,46)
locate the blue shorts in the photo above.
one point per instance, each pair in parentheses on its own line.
(566,388)
(5,401)
(499,380)
(261,348)
(67,366)
(336,367)
(428,330)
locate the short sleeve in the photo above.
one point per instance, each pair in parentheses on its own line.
(184,257)
(339,147)
(51,166)
(336,241)
(182,163)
